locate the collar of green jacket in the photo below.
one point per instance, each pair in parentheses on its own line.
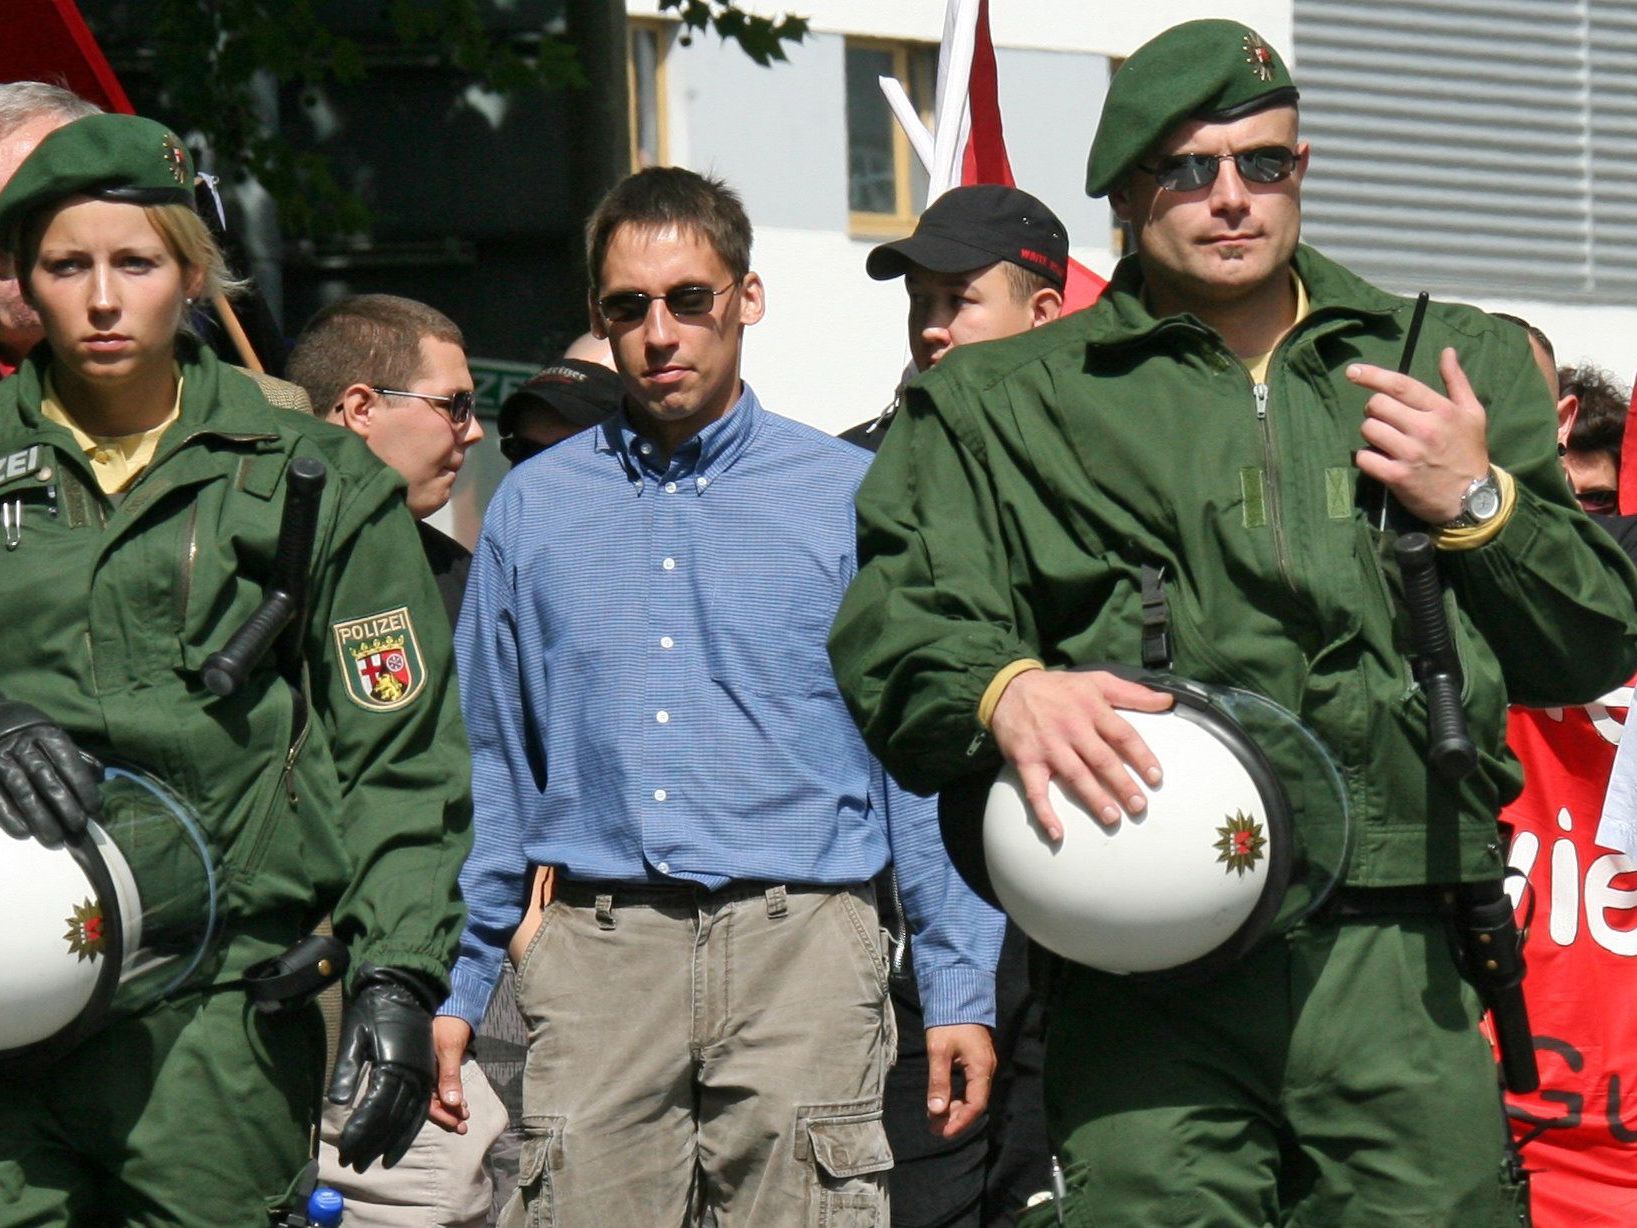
(1122,318)
(216,399)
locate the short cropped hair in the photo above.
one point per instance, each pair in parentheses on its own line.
(1535,335)
(372,339)
(669,196)
(1025,283)
(22,102)
(1600,422)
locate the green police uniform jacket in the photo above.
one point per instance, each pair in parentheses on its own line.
(1028,481)
(111,606)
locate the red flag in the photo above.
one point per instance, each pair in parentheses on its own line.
(985,159)
(1628,460)
(47,40)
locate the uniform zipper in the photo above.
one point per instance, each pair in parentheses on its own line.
(190,552)
(294,752)
(1281,545)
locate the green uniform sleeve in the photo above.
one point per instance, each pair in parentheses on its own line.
(930,618)
(1552,593)
(383,688)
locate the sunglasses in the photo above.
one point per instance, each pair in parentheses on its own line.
(458,405)
(1598,502)
(1191,171)
(631,306)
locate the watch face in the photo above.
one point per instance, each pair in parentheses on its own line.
(1483,503)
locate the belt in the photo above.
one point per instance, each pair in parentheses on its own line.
(586,892)
(1421,899)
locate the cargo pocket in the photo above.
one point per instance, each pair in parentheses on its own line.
(845,1147)
(541,1155)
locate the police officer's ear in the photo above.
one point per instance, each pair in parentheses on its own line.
(356,409)
(598,329)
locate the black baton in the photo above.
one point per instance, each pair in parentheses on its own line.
(1438,669)
(285,601)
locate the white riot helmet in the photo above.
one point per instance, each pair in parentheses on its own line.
(1221,856)
(106,924)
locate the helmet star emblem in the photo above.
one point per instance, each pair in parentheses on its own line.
(1240,843)
(85,935)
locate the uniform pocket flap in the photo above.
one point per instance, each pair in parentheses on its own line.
(849,1146)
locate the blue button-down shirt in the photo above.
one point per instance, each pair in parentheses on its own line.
(645,684)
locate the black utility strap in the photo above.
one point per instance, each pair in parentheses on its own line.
(1156,620)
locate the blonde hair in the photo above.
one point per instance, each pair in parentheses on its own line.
(195,249)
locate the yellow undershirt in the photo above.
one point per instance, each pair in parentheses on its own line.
(116,460)
(1257,365)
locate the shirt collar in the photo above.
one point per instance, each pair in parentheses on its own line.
(697,463)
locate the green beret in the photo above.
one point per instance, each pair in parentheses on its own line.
(113,157)
(1209,69)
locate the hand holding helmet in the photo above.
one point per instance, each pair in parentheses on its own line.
(1066,725)
(388,1024)
(48,786)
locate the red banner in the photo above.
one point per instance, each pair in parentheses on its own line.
(985,159)
(47,40)
(1579,1131)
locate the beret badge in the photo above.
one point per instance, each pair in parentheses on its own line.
(1258,56)
(177,159)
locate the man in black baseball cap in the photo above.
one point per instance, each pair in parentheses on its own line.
(985,262)
(561,400)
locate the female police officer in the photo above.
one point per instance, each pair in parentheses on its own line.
(141,482)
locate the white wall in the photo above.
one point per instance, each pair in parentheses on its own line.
(1050,25)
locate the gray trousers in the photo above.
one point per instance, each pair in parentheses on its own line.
(692,1050)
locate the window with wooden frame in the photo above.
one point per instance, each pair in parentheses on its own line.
(647,44)
(886,183)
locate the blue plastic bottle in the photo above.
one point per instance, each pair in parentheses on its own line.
(324,1207)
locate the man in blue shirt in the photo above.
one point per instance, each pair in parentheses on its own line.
(651,709)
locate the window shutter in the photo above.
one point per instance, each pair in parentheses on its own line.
(1473,146)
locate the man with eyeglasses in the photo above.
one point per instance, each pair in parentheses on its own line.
(651,711)
(393,371)
(1205,425)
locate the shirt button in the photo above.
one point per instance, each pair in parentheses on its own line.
(670,488)
(669,564)
(645,448)
(702,482)
(666,641)
(100,457)
(659,795)
(664,867)
(662,717)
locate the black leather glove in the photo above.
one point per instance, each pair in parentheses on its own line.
(388,1024)
(48,786)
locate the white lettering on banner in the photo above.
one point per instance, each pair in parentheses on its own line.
(1611,912)
(1601,711)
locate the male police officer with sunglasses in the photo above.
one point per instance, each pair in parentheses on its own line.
(1209,418)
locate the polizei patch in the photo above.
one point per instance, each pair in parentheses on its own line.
(380,659)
